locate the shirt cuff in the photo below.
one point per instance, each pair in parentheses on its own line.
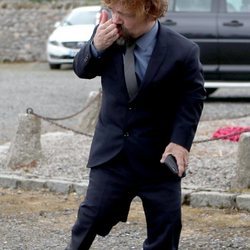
(94,51)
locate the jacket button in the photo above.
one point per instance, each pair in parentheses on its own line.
(126,134)
(86,59)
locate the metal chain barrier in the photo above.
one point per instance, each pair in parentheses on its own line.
(30,111)
(53,121)
(229,118)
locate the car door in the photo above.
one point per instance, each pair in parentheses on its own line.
(197,19)
(234,39)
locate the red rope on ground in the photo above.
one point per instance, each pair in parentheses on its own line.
(224,133)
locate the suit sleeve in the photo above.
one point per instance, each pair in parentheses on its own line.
(191,104)
(86,64)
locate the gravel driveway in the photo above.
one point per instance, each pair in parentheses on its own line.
(40,220)
(58,93)
(52,93)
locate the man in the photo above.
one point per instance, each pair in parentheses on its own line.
(136,131)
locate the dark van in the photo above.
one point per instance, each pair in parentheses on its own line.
(221,28)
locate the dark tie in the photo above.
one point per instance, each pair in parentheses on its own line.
(129,71)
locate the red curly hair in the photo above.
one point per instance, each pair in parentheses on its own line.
(153,8)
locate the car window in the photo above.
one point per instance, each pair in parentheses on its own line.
(238,6)
(193,5)
(80,17)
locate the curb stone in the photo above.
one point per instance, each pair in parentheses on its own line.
(52,185)
(191,197)
(213,199)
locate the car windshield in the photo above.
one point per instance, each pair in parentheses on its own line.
(81,17)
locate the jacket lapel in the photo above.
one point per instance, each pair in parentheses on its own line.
(158,55)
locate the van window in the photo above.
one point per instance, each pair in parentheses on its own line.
(193,5)
(238,6)
(170,5)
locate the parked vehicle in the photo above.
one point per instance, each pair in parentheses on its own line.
(71,34)
(221,28)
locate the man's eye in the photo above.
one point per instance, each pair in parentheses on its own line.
(128,15)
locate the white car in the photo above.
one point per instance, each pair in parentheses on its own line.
(71,34)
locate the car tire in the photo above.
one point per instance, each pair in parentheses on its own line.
(55,66)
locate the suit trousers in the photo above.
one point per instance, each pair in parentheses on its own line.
(112,187)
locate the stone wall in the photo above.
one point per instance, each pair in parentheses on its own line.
(25,27)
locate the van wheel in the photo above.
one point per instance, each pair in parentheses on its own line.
(55,66)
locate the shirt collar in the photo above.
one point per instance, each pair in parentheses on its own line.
(144,41)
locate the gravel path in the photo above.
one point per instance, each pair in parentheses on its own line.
(64,156)
(37,220)
(42,221)
(60,93)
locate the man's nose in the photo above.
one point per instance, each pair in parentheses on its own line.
(116,18)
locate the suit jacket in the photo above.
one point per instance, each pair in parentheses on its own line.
(166,109)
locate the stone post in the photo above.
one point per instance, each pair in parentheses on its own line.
(89,116)
(242,177)
(25,149)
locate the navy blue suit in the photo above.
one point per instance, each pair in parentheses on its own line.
(131,136)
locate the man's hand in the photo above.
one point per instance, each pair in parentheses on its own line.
(180,154)
(106,32)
